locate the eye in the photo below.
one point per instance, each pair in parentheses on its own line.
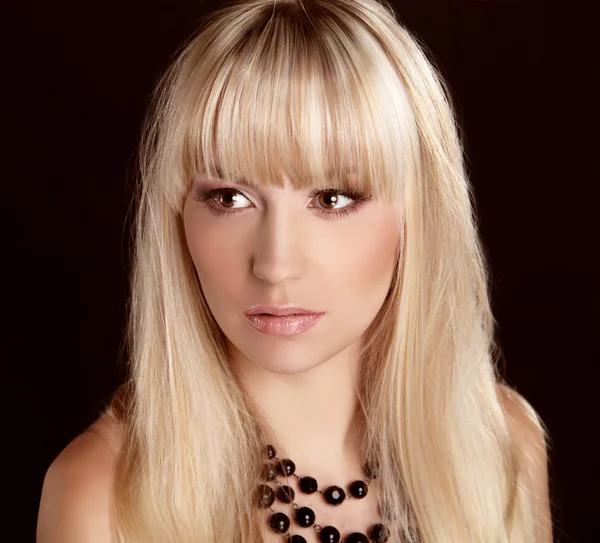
(328,199)
(228,198)
(222,201)
(330,202)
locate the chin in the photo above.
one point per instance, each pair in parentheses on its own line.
(286,355)
(278,355)
(285,361)
(287,367)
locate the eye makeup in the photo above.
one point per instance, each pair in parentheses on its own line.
(211,199)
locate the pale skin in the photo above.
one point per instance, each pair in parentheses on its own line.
(283,248)
(278,247)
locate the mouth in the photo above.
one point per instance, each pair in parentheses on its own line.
(280,311)
(282,315)
(283,325)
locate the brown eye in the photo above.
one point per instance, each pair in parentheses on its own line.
(227,198)
(223,201)
(327,199)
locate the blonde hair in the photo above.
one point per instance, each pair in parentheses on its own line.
(315,88)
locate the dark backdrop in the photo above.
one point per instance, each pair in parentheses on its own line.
(524,80)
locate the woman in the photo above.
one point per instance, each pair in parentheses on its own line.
(309,294)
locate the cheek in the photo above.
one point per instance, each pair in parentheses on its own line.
(217,255)
(212,256)
(364,264)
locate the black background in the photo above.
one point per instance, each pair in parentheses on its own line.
(79,76)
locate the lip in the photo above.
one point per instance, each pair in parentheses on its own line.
(283,325)
(281,310)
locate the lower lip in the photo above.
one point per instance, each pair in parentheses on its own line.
(285,325)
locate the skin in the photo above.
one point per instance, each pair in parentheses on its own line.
(281,248)
(277,250)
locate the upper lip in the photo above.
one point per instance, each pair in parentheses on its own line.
(280,310)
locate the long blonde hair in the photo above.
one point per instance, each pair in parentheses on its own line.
(313,88)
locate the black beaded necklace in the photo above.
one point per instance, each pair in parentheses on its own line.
(305,516)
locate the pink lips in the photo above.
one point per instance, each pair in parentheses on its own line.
(282,321)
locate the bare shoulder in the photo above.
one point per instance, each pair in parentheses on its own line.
(76,500)
(523,422)
(528,434)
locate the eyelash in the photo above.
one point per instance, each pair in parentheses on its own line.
(208,198)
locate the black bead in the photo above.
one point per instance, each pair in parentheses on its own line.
(329,535)
(356,537)
(279,522)
(269,473)
(305,517)
(296,539)
(264,496)
(334,495)
(270,450)
(308,485)
(285,494)
(285,467)
(379,533)
(359,489)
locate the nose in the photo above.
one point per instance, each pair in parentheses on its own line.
(279,254)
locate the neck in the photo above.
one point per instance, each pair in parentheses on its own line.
(310,417)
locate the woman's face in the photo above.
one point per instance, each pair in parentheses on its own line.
(278,246)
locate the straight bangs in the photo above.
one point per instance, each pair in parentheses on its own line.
(277,92)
